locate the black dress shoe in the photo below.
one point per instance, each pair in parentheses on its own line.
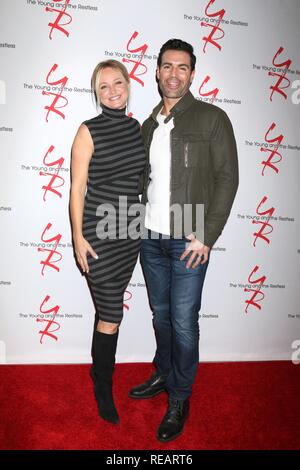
(173,422)
(152,387)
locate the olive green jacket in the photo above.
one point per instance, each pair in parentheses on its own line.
(204,164)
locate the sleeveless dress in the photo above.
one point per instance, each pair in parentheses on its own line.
(113,175)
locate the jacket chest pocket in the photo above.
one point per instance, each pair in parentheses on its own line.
(195,151)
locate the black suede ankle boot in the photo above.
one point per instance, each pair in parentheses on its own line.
(103,367)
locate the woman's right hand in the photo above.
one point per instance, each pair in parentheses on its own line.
(82,247)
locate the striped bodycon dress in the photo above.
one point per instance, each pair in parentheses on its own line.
(113,176)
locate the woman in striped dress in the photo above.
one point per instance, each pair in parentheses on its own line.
(107,161)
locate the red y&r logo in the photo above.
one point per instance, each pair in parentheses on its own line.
(55,176)
(264,224)
(49,323)
(212,93)
(54,108)
(271,162)
(282,77)
(256,292)
(60,14)
(215,27)
(128,297)
(137,63)
(49,262)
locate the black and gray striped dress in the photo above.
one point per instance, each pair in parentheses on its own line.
(114,171)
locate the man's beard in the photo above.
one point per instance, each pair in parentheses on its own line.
(173,94)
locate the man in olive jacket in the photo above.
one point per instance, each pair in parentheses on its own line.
(192,163)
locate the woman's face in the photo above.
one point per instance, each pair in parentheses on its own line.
(113,89)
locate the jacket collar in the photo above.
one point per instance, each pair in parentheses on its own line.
(185,102)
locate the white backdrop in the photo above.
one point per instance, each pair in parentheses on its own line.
(248,61)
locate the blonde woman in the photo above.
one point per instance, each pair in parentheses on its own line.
(107,161)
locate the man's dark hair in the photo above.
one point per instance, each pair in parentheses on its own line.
(177,45)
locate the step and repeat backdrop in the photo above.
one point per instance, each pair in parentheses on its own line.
(247,64)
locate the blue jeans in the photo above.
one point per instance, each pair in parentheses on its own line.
(175,299)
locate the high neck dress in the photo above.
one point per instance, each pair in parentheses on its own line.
(113,176)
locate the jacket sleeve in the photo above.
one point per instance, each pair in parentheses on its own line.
(223,154)
(145,137)
(141,182)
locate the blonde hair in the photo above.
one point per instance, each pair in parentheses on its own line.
(112,63)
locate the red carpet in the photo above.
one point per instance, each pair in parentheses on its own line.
(234,406)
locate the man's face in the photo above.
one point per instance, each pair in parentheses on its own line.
(174,74)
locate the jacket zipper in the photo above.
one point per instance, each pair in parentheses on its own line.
(186,148)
